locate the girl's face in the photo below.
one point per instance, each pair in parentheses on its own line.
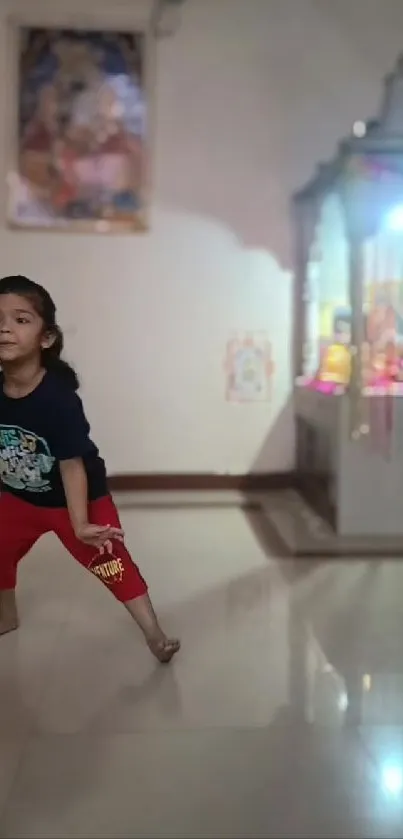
(22,335)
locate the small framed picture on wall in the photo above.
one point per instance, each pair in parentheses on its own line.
(80,152)
(249,367)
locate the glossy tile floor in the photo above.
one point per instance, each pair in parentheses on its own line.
(282,717)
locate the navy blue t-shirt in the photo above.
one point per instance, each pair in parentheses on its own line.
(36,433)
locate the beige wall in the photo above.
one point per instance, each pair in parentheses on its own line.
(250,94)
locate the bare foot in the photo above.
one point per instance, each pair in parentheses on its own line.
(8,626)
(164,648)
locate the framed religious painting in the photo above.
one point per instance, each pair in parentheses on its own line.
(80,152)
(249,367)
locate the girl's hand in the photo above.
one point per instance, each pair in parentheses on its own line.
(97,535)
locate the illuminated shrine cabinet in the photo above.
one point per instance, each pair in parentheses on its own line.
(349,328)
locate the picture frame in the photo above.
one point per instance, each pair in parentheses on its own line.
(248,367)
(80,157)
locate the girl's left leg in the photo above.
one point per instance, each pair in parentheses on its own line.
(115,568)
(21,525)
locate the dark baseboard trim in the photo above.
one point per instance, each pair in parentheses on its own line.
(201,482)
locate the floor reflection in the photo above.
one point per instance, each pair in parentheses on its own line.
(282,717)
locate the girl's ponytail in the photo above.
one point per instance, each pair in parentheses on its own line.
(52,361)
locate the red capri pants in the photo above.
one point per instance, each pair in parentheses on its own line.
(22,524)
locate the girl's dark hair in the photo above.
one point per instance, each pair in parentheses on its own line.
(46,309)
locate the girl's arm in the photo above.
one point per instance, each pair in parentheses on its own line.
(74,478)
(75,485)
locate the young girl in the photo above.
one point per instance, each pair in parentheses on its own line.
(51,475)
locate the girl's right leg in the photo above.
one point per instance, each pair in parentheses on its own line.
(118,573)
(20,527)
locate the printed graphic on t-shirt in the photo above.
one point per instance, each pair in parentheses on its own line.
(25,460)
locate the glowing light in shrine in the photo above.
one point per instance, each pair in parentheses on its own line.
(394,219)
